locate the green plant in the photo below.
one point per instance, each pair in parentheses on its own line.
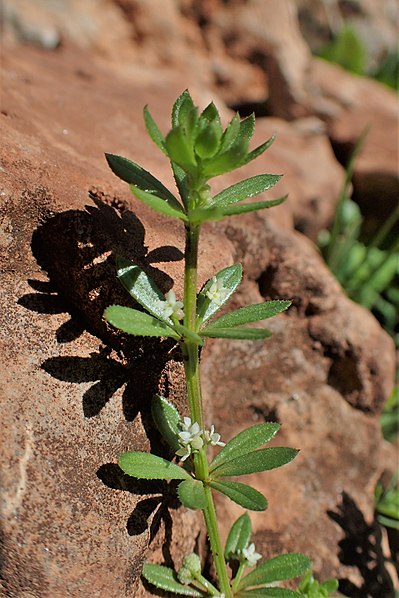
(312,588)
(368,270)
(387,503)
(199,149)
(347,50)
(390,416)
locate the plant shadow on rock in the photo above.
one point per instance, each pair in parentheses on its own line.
(77,249)
(361,549)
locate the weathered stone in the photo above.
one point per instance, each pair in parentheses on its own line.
(322,377)
(265,33)
(359,104)
(75,393)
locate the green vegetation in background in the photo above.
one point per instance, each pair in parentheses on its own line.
(348,50)
(368,270)
(387,503)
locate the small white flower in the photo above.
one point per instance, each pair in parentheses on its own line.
(212,437)
(217,292)
(171,306)
(250,555)
(190,438)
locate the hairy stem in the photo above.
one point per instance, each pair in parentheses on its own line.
(191,365)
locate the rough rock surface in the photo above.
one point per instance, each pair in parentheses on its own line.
(74,394)
(376,168)
(318,377)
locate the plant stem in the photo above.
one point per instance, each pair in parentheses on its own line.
(216,545)
(194,398)
(237,578)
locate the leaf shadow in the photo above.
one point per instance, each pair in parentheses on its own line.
(361,548)
(77,251)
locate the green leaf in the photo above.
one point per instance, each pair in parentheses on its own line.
(249,334)
(245,442)
(238,537)
(280,568)
(230,278)
(250,313)
(271,592)
(207,141)
(188,334)
(243,495)
(158,204)
(230,134)
(187,116)
(330,585)
(209,132)
(192,494)
(150,467)
(247,128)
(181,182)
(132,173)
(177,106)
(141,287)
(252,207)
(200,215)
(137,322)
(255,462)
(226,161)
(245,189)
(180,150)
(258,151)
(153,130)
(167,419)
(165,578)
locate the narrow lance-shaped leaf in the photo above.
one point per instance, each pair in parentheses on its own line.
(141,287)
(250,313)
(188,334)
(245,189)
(230,134)
(150,467)
(165,578)
(245,442)
(158,204)
(239,536)
(179,150)
(270,593)
(249,334)
(254,206)
(167,419)
(226,161)
(181,182)
(201,215)
(280,568)
(137,322)
(153,130)
(258,151)
(242,494)
(132,173)
(229,278)
(247,128)
(192,494)
(255,462)
(177,106)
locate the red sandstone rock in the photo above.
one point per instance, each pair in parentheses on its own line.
(75,394)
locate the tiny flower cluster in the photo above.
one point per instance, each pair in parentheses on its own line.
(192,438)
(171,307)
(217,292)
